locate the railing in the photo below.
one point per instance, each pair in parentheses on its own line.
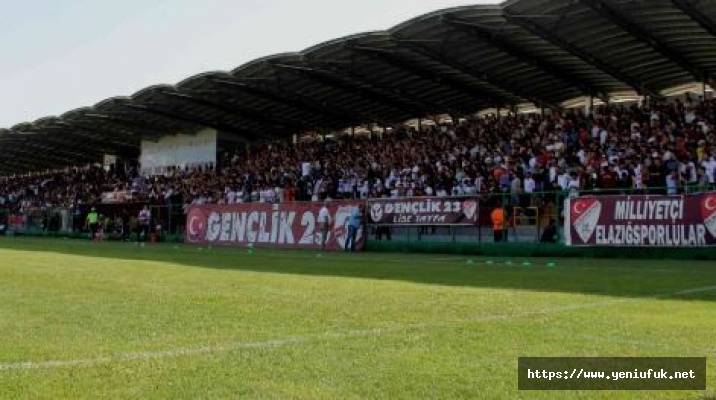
(528,216)
(118,221)
(35,220)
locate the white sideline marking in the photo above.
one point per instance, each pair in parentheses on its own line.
(646,343)
(231,347)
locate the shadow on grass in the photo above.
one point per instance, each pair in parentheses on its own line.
(666,279)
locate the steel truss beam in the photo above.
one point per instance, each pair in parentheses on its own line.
(487,36)
(482,76)
(689,8)
(196,121)
(253,115)
(356,86)
(604,8)
(538,30)
(334,114)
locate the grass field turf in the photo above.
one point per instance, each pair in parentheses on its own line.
(80,320)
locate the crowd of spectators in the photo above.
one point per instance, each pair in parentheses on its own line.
(667,147)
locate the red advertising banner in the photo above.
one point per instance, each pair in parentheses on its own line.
(16,223)
(423,211)
(286,225)
(641,221)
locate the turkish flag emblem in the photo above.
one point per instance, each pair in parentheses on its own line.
(585,215)
(708,213)
(196,225)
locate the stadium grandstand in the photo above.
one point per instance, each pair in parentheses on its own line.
(417,213)
(508,100)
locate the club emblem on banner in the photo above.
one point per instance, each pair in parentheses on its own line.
(585,214)
(376,212)
(470,208)
(708,212)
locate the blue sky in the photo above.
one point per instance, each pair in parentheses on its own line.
(58,55)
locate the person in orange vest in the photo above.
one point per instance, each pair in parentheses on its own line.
(499,224)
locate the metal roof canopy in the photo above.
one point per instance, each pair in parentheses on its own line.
(455,61)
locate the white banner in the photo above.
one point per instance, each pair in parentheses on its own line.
(109,159)
(179,151)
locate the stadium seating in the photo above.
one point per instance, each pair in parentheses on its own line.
(618,148)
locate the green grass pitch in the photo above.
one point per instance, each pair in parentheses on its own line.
(83,320)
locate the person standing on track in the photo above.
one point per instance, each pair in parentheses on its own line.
(145,217)
(324,224)
(93,223)
(499,224)
(354,225)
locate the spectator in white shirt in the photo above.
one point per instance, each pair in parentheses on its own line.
(710,166)
(269,195)
(306,169)
(530,184)
(145,218)
(324,224)
(672,184)
(364,190)
(516,190)
(573,186)
(563,180)
(394,193)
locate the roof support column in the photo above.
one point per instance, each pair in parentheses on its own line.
(589,106)
(703,90)
(420,125)
(323,140)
